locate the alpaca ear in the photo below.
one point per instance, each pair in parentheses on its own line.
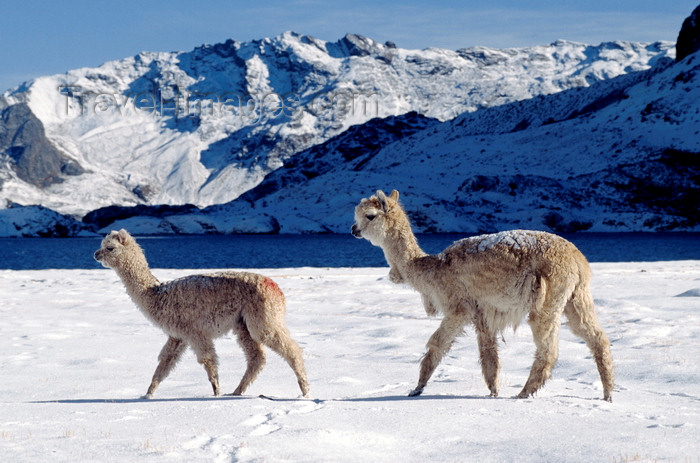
(123,236)
(394,195)
(382,200)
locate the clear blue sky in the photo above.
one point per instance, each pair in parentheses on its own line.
(47,37)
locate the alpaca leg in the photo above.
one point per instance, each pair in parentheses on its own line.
(545,331)
(254,355)
(168,357)
(488,356)
(438,345)
(206,355)
(584,324)
(282,343)
(428,305)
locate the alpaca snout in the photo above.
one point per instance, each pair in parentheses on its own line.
(98,258)
(99,255)
(356,232)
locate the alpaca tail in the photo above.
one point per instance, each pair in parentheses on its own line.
(273,293)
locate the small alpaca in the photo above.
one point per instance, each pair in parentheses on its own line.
(492,282)
(194,310)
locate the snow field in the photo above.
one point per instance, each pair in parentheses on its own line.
(78,355)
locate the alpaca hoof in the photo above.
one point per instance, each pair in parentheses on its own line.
(416,392)
(493,394)
(148,396)
(523,395)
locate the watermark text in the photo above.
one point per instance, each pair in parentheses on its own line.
(249,108)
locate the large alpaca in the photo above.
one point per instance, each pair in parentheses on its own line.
(194,310)
(492,282)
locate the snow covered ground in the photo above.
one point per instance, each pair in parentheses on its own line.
(77,355)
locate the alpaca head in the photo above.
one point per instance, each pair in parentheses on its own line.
(115,249)
(374,217)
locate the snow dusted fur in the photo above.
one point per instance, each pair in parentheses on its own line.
(194,310)
(492,282)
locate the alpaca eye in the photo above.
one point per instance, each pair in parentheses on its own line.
(370,217)
(110,248)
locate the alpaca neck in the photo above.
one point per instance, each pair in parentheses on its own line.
(401,249)
(138,279)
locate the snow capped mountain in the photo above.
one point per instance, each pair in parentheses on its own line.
(205,126)
(620,155)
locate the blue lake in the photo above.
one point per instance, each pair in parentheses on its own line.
(276,251)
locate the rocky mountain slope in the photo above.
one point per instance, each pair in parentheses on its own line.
(620,155)
(205,126)
(287,134)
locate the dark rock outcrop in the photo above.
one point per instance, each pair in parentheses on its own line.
(106,215)
(33,157)
(37,221)
(353,45)
(356,146)
(689,37)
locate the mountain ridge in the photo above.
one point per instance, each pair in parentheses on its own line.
(124,124)
(121,131)
(646,180)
